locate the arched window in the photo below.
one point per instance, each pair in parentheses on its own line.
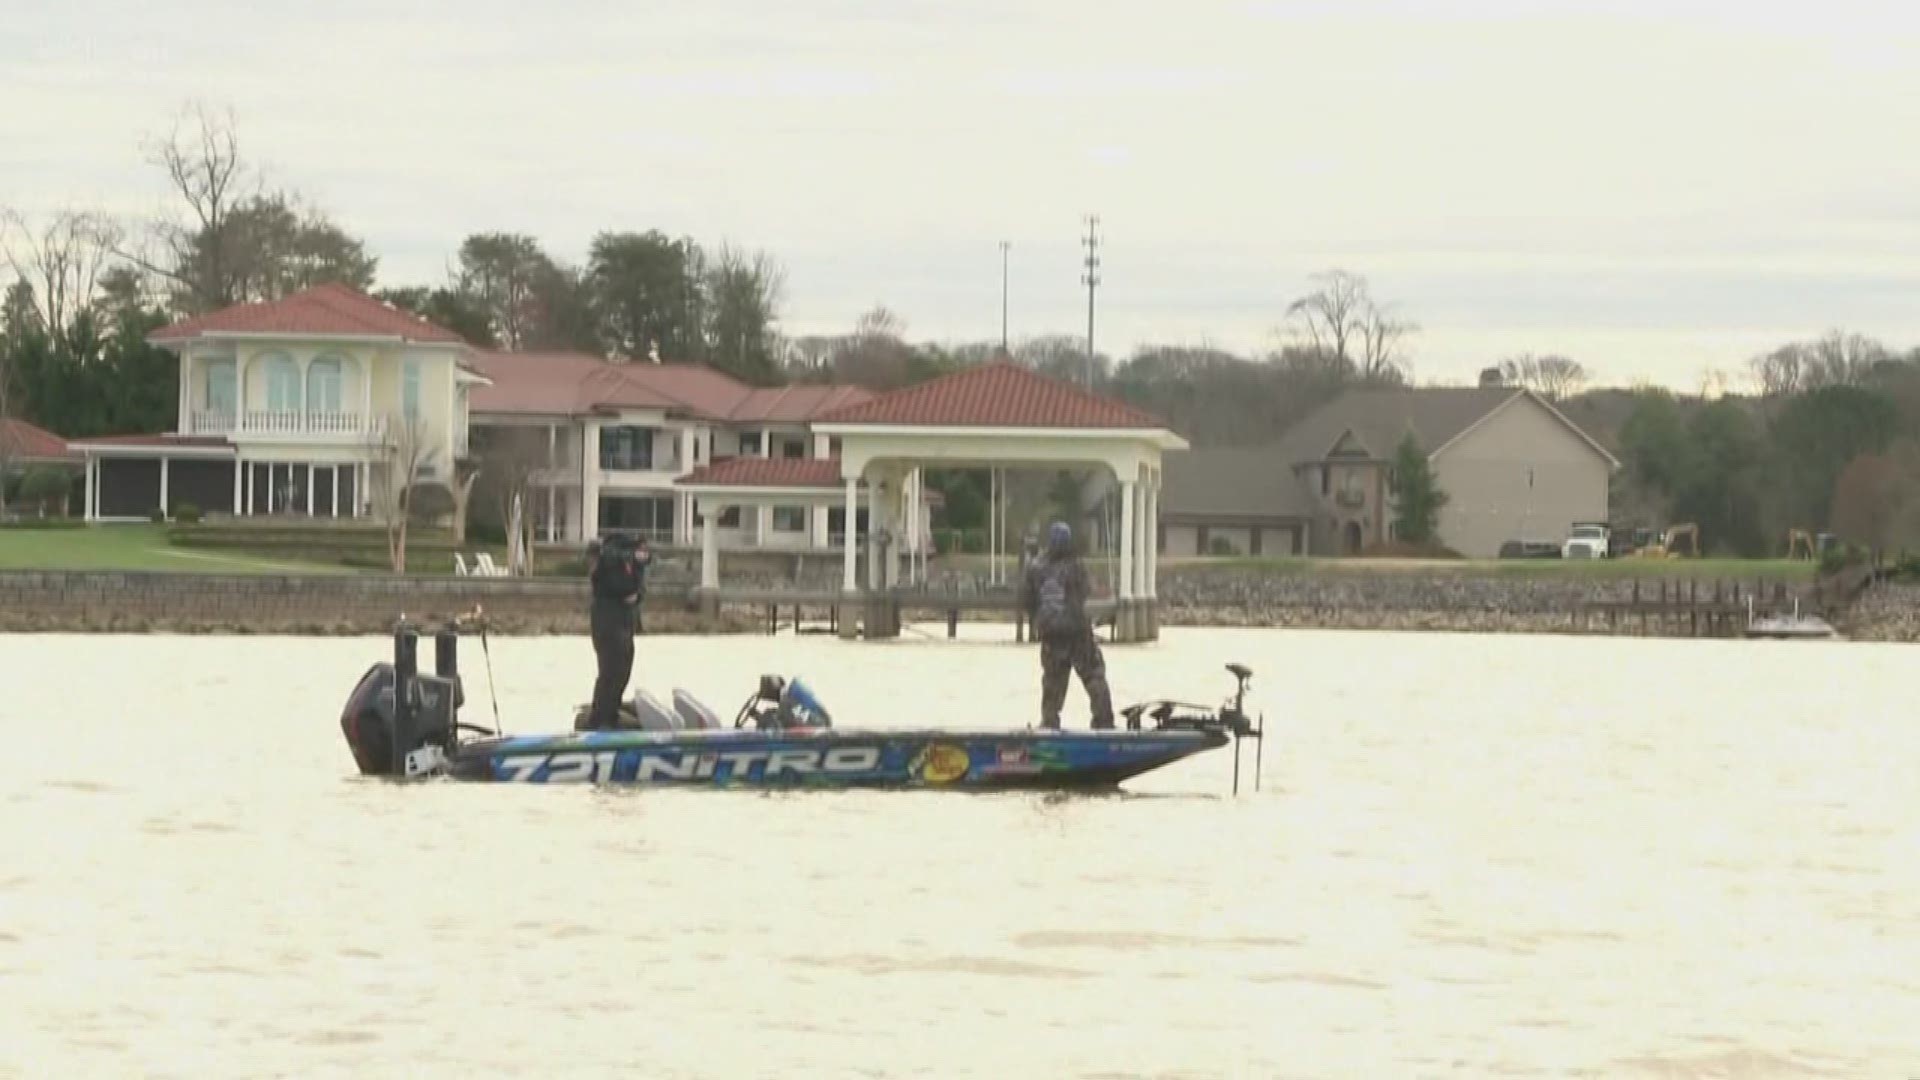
(283,383)
(323,385)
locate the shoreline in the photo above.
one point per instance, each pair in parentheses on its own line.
(81,601)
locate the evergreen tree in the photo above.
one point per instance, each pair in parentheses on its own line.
(1417,496)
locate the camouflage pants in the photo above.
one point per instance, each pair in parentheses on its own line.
(1077,653)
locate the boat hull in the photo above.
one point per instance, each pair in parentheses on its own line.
(813,758)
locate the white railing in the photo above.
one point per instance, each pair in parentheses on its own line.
(289,422)
(211,423)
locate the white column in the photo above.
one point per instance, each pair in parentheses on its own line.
(589,480)
(709,547)
(239,472)
(92,484)
(848,580)
(1142,523)
(164,471)
(336,491)
(1151,570)
(993,526)
(876,510)
(553,510)
(185,425)
(1126,538)
(290,468)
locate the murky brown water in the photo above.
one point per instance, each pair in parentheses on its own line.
(1473,856)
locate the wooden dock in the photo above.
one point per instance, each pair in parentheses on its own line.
(1685,608)
(820,611)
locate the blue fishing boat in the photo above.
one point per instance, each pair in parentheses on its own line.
(403,723)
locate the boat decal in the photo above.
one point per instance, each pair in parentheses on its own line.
(643,764)
(941,763)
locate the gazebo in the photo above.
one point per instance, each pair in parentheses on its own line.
(996,415)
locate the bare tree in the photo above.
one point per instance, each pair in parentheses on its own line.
(876,355)
(62,261)
(1836,359)
(1549,376)
(1341,320)
(6,414)
(513,460)
(402,448)
(201,157)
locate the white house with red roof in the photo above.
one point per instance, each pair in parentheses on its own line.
(297,406)
(618,438)
(294,406)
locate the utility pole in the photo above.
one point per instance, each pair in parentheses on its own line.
(1003,295)
(1091,279)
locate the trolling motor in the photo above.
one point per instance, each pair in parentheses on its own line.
(401,722)
(1230,718)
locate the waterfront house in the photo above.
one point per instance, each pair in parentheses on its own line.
(1513,467)
(307,405)
(612,439)
(295,406)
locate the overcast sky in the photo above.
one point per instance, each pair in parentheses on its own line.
(1651,187)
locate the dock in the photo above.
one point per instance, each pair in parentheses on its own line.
(1683,608)
(877,615)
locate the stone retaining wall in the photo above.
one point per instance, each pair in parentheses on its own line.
(113,601)
(90,601)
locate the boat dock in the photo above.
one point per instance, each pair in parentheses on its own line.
(829,611)
(1685,608)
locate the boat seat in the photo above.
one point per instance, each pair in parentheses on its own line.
(653,716)
(693,712)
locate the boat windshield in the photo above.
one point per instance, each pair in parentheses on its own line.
(799,707)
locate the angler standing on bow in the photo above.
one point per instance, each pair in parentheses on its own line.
(615,574)
(1053,591)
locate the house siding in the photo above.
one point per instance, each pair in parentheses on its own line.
(1486,477)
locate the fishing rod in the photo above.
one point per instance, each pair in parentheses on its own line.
(478,614)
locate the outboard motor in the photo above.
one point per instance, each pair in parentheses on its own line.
(399,722)
(800,708)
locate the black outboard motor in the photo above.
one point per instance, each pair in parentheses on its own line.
(395,713)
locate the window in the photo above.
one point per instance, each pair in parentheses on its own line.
(749,443)
(626,447)
(789,519)
(651,515)
(220,387)
(283,383)
(730,518)
(793,448)
(323,385)
(410,389)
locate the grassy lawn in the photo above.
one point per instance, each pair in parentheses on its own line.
(133,547)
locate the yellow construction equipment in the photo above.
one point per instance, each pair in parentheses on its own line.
(1679,541)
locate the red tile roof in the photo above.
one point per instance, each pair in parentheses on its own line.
(162,441)
(795,404)
(322,311)
(766,472)
(25,442)
(574,384)
(995,394)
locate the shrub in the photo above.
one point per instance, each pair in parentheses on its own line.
(186,513)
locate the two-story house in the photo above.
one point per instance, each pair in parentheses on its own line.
(1513,468)
(302,405)
(309,405)
(609,440)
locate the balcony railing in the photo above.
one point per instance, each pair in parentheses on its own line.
(332,425)
(622,461)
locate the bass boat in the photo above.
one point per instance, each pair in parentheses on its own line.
(402,723)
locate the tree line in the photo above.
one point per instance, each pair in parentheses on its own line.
(1825,441)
